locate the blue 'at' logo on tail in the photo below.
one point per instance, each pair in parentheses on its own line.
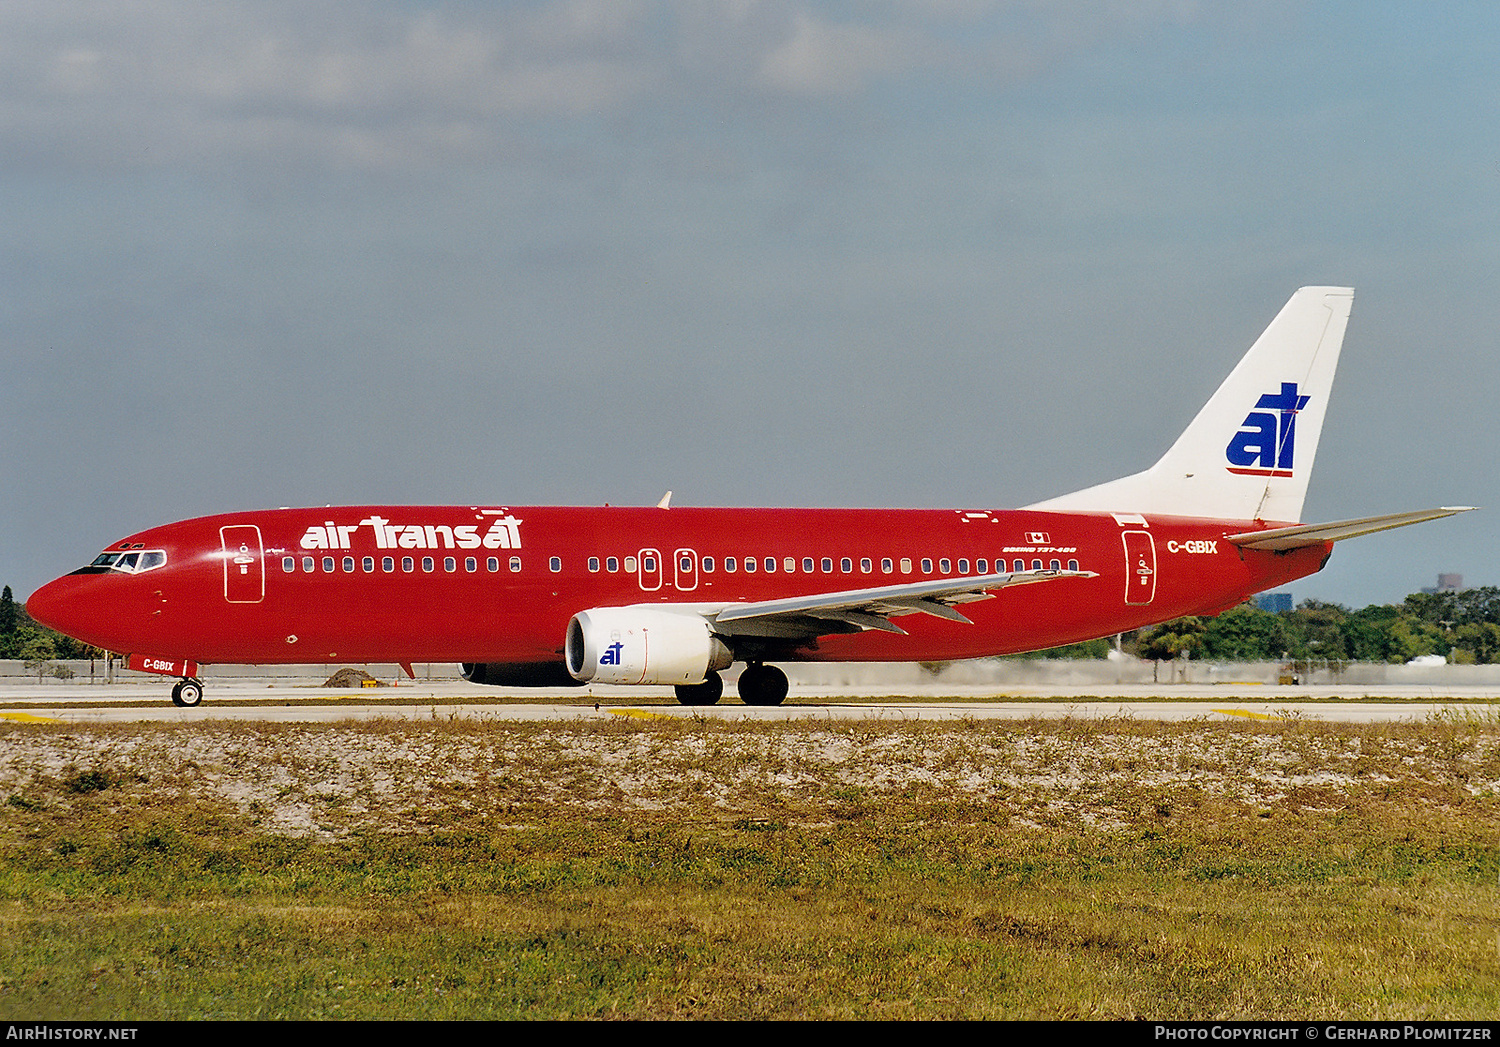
(1264,444)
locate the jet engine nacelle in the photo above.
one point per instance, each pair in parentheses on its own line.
(642,645)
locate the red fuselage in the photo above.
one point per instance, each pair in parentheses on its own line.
(499,584)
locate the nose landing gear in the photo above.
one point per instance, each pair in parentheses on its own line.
(187,693)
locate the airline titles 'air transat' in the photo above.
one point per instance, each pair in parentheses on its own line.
(547,595)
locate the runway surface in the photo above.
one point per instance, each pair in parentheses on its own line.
(285,701)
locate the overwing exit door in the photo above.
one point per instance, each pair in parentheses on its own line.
(650,570)
(685,570)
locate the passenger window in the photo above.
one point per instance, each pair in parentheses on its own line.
(471,564)
(926,565)
(749,565)
(368,563)
(630,565)
(789,565)
(593,565)
(327,565)
(308,564)
(515,564)
(612,564)
(288,564)
(945,567)
(648,563)
(492,564)
(348,565)
(807,565)
(729,564)
(1055,565)
(1072,565)
(554,564)
(885,564)
(1036,565)
(846,565)
(982,566)
(450,563)
(906,565)
(963,566)
(865,566)
(407,564)
(387,564)
(427,564)
(770,563)
(708,563)
(684,563)
(1020,566)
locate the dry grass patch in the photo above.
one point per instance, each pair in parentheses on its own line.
(671,868)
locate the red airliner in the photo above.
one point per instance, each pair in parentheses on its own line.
(546,596)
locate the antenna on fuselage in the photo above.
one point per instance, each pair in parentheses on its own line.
(666,501)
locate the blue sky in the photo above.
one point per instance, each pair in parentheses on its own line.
(914,252)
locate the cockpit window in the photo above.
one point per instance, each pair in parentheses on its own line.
(130,563)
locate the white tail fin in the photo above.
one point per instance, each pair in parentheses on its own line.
(1249,453)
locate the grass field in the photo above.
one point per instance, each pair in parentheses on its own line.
(670,868)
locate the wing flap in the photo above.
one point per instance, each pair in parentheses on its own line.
(874,608)
(1279,539)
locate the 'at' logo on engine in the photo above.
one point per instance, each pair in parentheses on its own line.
(1264,444)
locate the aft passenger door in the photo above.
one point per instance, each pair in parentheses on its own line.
(1140,567)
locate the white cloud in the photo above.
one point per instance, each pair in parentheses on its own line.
(822,57)
(177,80)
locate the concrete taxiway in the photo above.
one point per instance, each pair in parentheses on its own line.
(289,700)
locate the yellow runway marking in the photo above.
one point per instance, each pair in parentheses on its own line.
(640,714)
(1246,713)
(28,718)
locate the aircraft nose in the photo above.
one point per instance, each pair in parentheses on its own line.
(65,605)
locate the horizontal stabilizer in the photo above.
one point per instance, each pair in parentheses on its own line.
(1283,538)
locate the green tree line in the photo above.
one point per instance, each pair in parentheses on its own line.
(24,638)
(1463,627)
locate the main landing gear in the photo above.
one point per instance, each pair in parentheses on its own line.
(762,685)
(187,693)
(759,685)
(706,693)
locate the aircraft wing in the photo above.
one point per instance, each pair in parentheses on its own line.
(858,610)
(1283,538)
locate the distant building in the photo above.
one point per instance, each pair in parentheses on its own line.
(1447,583)
(1275,603)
